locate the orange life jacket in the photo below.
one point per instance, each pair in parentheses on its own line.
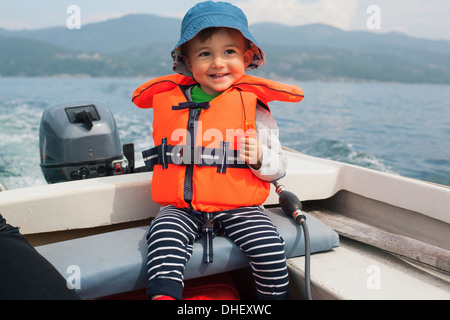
(195,160)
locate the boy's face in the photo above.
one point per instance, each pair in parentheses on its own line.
(219,61)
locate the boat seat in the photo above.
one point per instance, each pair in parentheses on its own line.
(115,262)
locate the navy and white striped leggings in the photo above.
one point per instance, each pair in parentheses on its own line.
(170,243)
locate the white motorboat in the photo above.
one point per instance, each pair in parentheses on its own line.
(374,235)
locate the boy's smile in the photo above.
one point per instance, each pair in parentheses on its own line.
(220,61)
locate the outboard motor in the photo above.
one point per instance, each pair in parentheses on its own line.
(79,140)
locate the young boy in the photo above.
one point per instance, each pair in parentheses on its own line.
(215,153)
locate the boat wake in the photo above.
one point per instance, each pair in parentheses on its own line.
(342,152)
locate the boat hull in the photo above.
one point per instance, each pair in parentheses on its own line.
(391,204)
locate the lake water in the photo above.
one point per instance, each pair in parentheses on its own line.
(398,128)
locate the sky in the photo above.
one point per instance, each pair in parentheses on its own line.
(418,18)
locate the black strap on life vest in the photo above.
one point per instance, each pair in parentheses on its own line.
(209,230)
(209,234)
(165,154)
(191,105)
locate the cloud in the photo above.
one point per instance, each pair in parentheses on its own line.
(414,17)
(104,16)
(295,12)
(429,19)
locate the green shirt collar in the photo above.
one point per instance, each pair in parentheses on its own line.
(198,95)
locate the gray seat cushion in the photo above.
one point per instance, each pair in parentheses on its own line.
(115,262)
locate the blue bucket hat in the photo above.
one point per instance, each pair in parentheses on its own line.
(214,14)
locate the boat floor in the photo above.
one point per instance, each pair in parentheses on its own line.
(357,271)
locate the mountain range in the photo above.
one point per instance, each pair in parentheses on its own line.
(139,45)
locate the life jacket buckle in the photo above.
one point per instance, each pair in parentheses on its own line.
(208,236)
(208,226)
(162,153)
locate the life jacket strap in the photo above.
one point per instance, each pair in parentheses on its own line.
(209,230)
(208,236)
(165,154)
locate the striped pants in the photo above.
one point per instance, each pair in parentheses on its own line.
(170,244)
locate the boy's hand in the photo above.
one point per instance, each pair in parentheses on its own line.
(251,151)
